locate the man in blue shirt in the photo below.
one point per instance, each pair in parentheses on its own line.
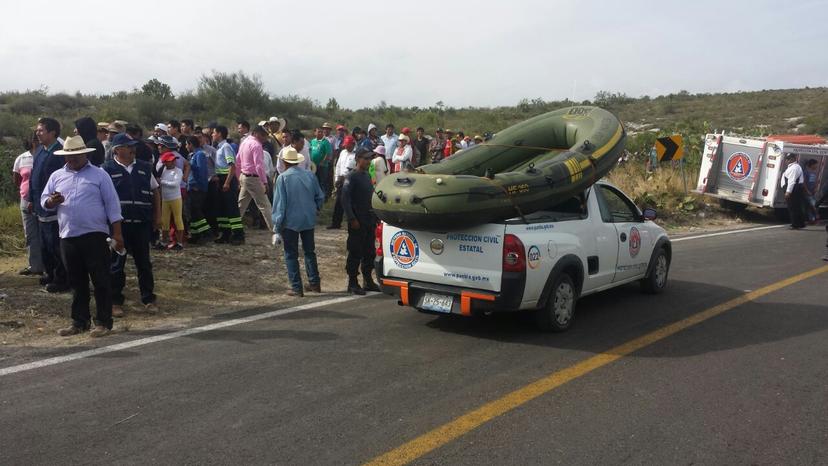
(297,199)
(197,185)
(44,164)
(87,206)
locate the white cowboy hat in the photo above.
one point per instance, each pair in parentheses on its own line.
(291,156)
(74,146)
(281,121)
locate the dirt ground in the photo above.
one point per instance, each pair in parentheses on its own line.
(196,282)
(202,281)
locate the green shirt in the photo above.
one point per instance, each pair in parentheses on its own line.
(320,152)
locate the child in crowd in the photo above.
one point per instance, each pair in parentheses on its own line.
(171,203)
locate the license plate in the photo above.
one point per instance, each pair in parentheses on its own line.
(437,302)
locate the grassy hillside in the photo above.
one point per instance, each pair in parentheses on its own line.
(226,97)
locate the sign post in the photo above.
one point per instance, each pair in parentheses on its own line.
(671,148)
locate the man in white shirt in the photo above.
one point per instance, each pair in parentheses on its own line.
(297,141)
(792,182)
(390,141)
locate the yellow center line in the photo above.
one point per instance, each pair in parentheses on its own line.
(464,424)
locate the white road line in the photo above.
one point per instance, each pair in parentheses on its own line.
(723,233)
(169,336)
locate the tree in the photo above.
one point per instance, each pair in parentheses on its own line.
(157,89)
(332,106)
(234,95)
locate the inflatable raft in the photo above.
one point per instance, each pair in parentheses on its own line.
(531,166)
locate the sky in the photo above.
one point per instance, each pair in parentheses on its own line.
(463,53)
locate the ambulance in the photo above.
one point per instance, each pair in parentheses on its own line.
(746,171)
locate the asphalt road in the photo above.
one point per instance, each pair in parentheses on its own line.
(344,384)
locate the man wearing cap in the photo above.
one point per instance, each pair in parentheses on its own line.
(435,149)
(87,208)
(250,168)
(227,214)
(140,202)
(321,153)
(344,165)
(160,129)
(297,199)
(46,162)
(114,128)
(103,135)
(389,140)
(356,202)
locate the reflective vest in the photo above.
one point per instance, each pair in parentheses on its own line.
(134,190)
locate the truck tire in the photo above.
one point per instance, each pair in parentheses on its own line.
(732,206)
(559,311)
(782,215)
(656,280)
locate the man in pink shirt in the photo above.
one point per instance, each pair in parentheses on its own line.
(252,175)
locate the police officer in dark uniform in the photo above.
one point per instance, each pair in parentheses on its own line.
(140,205)
(356,204)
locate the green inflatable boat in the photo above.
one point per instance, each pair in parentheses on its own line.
(531,166)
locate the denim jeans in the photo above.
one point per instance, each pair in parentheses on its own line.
(291,243)
(31,228)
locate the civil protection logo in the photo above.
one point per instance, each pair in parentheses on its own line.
(635,242)
(739,166)
(533,257)
(404,249)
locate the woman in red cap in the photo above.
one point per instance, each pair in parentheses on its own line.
(171,203)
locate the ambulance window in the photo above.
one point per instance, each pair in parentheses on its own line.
(615,208)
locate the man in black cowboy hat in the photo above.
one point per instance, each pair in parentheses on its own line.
(87,208)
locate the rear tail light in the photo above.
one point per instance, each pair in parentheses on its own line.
(765,192)
(514,254)
(378,239)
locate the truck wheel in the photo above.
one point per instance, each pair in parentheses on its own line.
(656,281)
(560,308)
(732,206)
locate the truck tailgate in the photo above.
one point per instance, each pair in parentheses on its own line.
(469,259)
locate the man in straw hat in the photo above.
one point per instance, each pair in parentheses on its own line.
(297,199)
(88,208)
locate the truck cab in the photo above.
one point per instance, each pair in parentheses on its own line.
(540,262)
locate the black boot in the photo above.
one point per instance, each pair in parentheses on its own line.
(368,283)
(354,288)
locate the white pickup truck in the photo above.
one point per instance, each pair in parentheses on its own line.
(541,262)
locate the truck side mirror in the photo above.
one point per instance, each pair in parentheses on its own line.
(650,214)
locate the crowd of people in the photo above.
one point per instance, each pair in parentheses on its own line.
(109,191)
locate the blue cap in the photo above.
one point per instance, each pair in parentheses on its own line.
(121,139)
